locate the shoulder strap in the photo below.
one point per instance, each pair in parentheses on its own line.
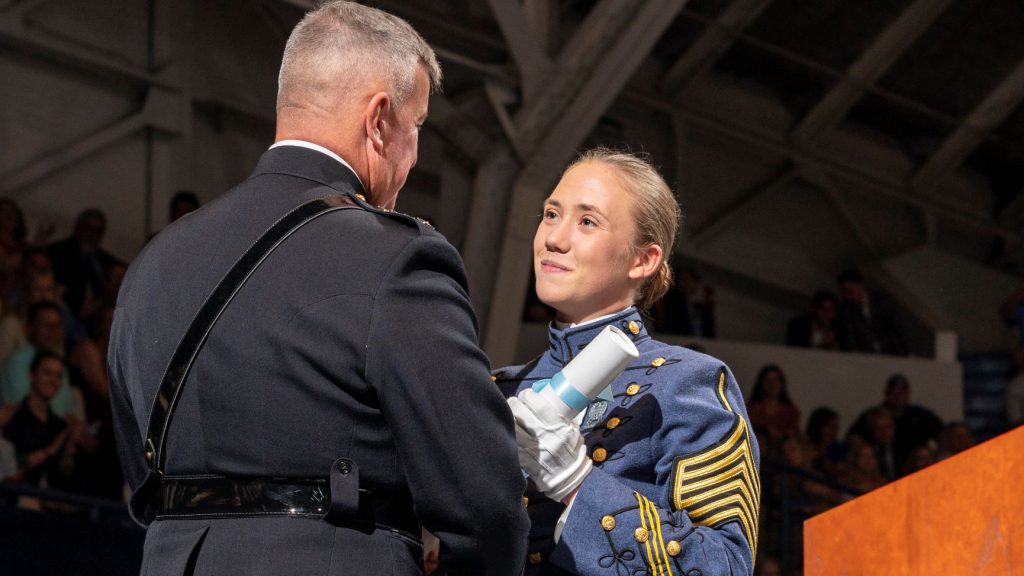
(188,348)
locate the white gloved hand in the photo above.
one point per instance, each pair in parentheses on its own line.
(551,448)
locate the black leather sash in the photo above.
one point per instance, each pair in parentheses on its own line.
(147,501)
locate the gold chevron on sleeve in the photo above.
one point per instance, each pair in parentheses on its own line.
(721,484)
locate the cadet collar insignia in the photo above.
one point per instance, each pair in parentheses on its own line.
(720,484)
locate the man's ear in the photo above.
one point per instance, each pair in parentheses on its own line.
(376,111)
(646,263)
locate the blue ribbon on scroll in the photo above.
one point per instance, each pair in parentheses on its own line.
(572,397)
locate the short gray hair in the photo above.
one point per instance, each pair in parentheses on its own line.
(342,43)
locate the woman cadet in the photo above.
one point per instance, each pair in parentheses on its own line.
(659,475)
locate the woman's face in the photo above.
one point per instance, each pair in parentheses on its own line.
(583,250)
(773,384)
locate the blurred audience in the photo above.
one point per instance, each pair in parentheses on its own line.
(828,453)
(914,425)
(864,324)
(45,333)
(954,439)
(40,436)
(770,408)
(817,328)
(863,473)
(81,265)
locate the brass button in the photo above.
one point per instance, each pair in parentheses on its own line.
(526,500)
(494,378)
(613,423)
(534,558)
(149,455)
(657,361)
(632,389)
(634,327)
(673,548)
(361,197)
(641,535)
(608,523)
(600,455)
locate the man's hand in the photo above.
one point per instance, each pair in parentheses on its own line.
(551,448)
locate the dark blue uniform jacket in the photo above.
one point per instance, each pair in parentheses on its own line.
(355,338)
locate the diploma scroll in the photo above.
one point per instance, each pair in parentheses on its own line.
(576,386)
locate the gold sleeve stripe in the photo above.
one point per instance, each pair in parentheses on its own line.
(721,484)
(653,510)
(721,390)
(643,523)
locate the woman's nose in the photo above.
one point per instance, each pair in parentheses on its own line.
(557,239)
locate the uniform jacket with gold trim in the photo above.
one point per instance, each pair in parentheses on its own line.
(675,486)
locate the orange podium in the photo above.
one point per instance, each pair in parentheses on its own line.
(964,515)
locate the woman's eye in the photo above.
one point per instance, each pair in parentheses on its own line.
(550,215)
(588,222)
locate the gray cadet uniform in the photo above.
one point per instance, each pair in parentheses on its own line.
(675,487)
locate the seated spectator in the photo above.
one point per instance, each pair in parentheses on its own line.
(915,425)
(882,433)
(817,328)
(919,459)
(862,471)
(770,407)
(807,497)
(864,324)
(14,243)
(80,264)
(688,308)
(41,286)
(828,452)
(12,334)
(40,437)
(45,333)
(954,439)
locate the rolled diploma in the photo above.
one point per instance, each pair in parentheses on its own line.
(575,387)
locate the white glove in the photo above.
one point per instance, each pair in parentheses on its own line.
(551,448)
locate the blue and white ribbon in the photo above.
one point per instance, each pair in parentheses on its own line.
(572,397)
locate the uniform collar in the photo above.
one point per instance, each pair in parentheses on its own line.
(566,343)
(311,164)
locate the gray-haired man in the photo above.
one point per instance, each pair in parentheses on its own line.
(312,392)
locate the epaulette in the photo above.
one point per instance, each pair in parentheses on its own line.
(361,201)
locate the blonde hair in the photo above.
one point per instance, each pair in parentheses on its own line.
(342,43)
(656,213)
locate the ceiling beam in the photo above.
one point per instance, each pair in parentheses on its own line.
(723,218)
(892,43)
(716,39)
(868,180)
(526,50)
(986,117)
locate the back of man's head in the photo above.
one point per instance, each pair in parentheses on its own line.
(343,48)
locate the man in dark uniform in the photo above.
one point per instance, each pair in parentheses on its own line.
(339,400)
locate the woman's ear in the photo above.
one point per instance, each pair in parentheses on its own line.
(645,264)
(375,127)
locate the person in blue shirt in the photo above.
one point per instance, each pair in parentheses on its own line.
(659,474)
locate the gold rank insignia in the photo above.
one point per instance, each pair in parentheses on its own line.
(721,484)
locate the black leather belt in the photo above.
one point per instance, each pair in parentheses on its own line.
(194,497)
